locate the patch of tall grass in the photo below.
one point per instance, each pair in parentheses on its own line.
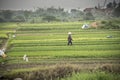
(93,76)
(44,73)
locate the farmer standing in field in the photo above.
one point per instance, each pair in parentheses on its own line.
(69,38)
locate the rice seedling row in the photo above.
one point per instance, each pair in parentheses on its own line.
(51,41)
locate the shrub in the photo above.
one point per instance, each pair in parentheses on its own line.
(103,22)
(2,19)
(110,24)
(111,68)
(93,76)
(50,73)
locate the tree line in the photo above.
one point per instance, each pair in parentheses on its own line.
(56,14)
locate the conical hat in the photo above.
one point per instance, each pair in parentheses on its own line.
(69,33)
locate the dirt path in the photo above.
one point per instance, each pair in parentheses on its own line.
(3,62)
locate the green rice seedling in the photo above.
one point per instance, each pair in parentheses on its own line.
(46,43)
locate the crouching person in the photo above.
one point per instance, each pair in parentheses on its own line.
(2,54)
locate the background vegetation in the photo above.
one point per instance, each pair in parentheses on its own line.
(111,10)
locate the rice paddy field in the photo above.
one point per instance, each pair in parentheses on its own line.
(93,53)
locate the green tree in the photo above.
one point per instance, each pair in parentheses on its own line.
(7,14)
(2,19)
(117,11)
(114,4)
(27,14)
(109,5)
(50,18)
(19,18)
(89,16)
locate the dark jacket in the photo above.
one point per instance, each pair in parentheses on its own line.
(69,38)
